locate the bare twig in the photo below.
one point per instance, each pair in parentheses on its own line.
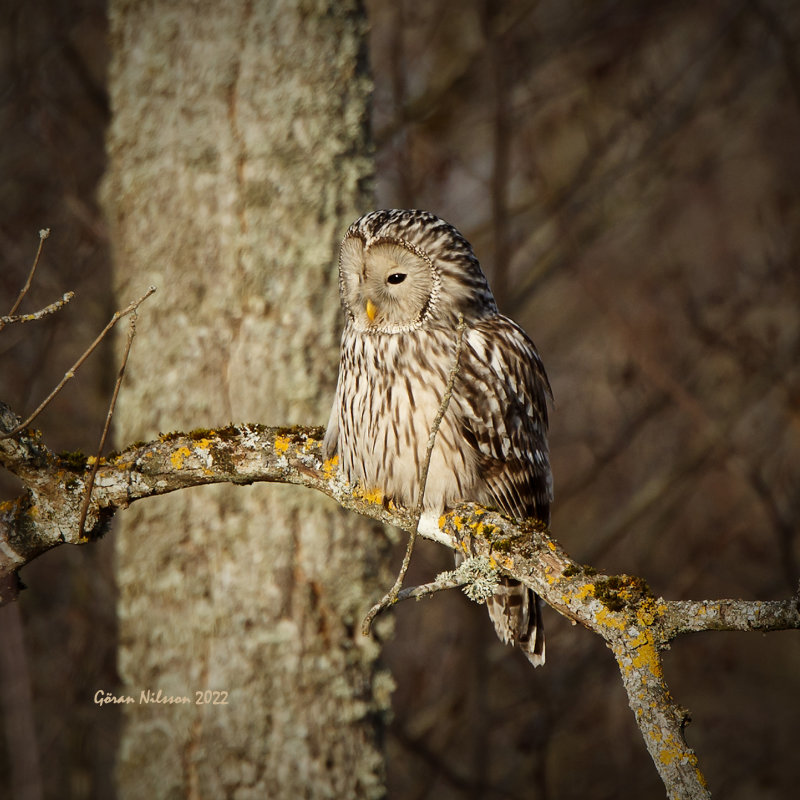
(43,234)
(392,595)
(37,315)
(90,482)
(118,315)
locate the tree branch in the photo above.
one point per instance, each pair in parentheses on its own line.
(620,608)
(33,316)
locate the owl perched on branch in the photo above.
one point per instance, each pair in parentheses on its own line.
(405,277)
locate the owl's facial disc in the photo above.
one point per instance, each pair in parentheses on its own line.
(387,286)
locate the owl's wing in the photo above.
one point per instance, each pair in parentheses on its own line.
(501,404)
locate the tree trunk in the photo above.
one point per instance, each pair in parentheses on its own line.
(238,155)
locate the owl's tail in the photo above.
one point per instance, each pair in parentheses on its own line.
(516,613)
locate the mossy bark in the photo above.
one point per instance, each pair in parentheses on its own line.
(239,153)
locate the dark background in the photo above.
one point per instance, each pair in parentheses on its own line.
(628,174)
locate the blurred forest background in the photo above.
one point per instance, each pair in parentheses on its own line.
(629,176)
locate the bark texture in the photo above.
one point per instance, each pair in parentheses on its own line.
(238,155)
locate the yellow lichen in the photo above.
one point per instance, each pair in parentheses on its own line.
(647,658)
(645,616)
(585,591)
(329,466)
(669,752)
(610,619)
(370,495)
(655,734)
(637,638)
(310,443)
(649,611)
(282,444)
(177,457)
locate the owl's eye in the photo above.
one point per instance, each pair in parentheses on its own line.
(396,277)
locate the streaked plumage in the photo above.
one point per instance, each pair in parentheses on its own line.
(404,277)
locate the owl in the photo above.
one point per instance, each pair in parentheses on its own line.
(405,277)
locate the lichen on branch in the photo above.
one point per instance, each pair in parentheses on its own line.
(619,608)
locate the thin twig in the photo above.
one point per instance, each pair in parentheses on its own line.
(71,371)
(391,596)
(36,315)
(90,483)
(441,584)
(43,234)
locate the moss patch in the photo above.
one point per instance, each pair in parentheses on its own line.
(73,460)
(618,591)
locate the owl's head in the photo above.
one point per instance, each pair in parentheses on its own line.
(402,270)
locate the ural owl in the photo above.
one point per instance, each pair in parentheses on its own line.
(405,277)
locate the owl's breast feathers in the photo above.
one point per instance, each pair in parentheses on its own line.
(491,447)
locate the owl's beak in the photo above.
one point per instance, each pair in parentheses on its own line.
(371,310)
